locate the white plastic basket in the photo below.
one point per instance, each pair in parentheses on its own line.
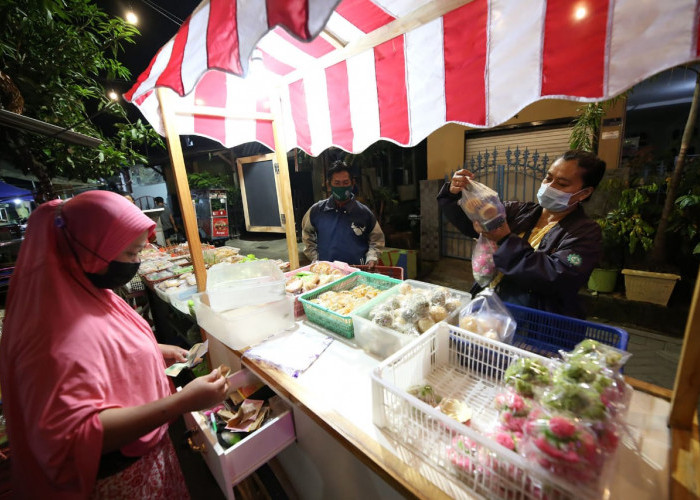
(467,367)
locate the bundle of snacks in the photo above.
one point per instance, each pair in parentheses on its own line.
(318,274)
(565,446)
(158,276)
(482,205)
(453,408)
(483,266)
(177,284)
(154,265)
(527,375)
(487,316)
(414,310)
(345,301)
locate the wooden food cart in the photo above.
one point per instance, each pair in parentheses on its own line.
(399,71)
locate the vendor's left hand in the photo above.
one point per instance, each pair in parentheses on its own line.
(371,265)
(173,354)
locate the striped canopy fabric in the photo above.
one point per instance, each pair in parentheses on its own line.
(400,69)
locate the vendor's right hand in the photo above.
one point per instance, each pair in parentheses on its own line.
(204,392)
(460,180)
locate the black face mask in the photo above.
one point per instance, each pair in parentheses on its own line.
(118,274)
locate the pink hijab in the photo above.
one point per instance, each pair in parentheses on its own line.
(69,349)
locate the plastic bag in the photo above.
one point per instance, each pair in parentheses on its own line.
(482,205)
(564,445)
(483,267)
(486,315)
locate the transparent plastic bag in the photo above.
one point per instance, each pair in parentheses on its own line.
(483,267)
(486,315)
(481,204)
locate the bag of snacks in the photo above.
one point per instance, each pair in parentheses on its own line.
(486,315)
(483,267)
(482,205)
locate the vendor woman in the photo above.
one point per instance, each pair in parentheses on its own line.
(83,379)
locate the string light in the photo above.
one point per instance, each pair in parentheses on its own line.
(580,13)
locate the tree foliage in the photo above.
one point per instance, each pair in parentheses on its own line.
(56,57)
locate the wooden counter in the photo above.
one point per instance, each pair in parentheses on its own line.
(335,392)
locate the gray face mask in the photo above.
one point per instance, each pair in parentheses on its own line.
(552,199)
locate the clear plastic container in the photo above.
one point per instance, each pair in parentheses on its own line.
(244,326)
(232,286)
(382,341)
(179,301)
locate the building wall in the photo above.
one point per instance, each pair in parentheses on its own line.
(446,145)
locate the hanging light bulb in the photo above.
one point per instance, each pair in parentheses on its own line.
(131,17)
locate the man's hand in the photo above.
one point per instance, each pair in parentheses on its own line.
(371,265)
(459,180)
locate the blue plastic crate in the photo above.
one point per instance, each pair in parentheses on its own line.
(546,333)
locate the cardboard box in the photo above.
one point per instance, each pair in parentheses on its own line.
(402,258)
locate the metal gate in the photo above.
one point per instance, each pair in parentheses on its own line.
(513,174)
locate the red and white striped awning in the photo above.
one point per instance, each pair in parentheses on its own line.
(400,69)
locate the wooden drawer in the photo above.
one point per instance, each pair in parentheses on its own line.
(231,465)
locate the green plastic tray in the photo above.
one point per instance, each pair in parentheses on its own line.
(338,323)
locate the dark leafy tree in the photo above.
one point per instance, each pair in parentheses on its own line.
(55,59)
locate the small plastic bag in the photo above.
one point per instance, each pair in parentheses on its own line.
(486,315)
(483,267)
(482,205)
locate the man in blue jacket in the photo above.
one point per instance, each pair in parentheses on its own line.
(546,250)
(340,227)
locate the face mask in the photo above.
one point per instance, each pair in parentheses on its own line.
(552,199)
(341,193)
(118,274)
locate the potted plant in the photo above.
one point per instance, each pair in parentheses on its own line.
(633,222)
(604,276)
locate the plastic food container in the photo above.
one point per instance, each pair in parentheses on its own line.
(342,266)
(382,341)
(333,321)
(244,326)
(231,286)
(179,300)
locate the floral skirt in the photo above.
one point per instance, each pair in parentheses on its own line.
(156,475)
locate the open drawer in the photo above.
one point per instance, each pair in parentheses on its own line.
(231,465)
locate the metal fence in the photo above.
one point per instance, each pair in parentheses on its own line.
(513,174)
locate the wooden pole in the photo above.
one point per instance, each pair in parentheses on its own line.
(686,389)
(284,184)
(189,218)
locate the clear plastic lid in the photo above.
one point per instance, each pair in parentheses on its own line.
(226,274)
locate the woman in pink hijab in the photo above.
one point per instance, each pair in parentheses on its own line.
(84,390)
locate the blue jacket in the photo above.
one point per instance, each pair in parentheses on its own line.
(547,278)
(348,233)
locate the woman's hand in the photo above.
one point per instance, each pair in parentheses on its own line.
(123,425)
(496,234)
(204,392)
(459,180)
(173,354)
